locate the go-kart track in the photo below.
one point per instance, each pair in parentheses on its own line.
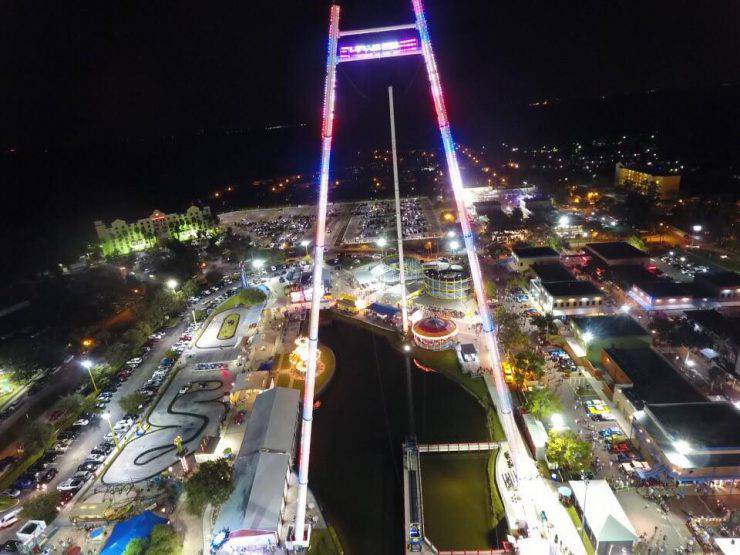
(193,414)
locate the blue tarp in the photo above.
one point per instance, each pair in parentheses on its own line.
(267,365)
(383,309)
(139,526)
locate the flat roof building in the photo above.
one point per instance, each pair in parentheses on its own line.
(721,287)
(666,182)
(568,297)
(617,253)
(601,332)
(724,331)
(552,272)
(663,295)
(691,441)
(641,376)
(525,257)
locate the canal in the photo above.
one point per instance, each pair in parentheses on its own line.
(356,465)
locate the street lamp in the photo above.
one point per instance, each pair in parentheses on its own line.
(454,245)
(697,228)
(587,337)
(407,348)
(106,417)
(451,234)
(172,284)
(382,242)
(563,221)
(557,420)
(87,364)
(258,263)
(305,244)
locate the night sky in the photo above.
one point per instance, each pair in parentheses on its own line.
(111,109)
(73,69)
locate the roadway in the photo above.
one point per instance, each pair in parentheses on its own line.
(65,381)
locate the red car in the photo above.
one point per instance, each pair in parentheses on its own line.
(65,497)
(54,416)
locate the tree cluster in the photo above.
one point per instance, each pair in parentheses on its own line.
(567,451)
(213,483)
(164,540)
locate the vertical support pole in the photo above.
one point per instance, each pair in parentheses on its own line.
(399,225)
(318,285)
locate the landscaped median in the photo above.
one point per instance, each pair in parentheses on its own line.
(228,327)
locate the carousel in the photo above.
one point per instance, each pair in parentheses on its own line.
(434,333)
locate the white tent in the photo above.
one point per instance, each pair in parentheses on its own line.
(605,520)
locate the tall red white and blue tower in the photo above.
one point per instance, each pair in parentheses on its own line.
(376,44)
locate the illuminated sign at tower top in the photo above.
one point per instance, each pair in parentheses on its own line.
(385,49)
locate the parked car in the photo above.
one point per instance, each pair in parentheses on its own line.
(25,481)
(88,466)
(71,484)
(95,457)
(10,518)
(47,476)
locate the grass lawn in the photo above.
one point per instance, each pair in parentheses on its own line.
(497,504)
(324,541)
(577,521)
(228,327)
(245,297)
(288,378)
(7,502)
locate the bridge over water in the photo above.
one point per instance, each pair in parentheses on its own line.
(457,447)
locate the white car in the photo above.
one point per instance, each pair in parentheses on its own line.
(81,422)
(71,484)
(95,458)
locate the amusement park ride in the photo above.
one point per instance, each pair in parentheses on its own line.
(376,44)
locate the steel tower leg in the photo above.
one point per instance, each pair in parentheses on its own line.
(489,334)
(399,225)
(318,284)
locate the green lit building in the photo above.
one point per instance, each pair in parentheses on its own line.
(122,237)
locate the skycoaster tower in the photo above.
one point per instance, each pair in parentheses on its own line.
(376,44)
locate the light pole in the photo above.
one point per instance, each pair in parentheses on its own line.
(106,417)
(696,229)
(305,244)
(172,284)
(454,245)
(87,364)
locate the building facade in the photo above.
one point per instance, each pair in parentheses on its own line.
(667,184)
(522,258)
(123,237)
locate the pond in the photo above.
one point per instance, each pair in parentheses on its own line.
(356,458)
